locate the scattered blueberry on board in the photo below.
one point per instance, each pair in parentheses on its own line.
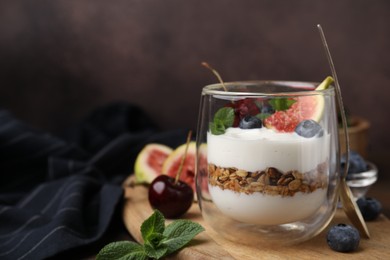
(250,122)
(369,207)
(309,128)
(343,238)
(356,163)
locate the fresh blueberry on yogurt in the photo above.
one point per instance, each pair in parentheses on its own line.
(309,128)
(250,122)
(343,238)
(267,109)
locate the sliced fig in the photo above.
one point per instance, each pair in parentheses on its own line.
(304,108)
(149,162)
(172,164)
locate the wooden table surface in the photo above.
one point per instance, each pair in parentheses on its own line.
(210,245)
(118,231)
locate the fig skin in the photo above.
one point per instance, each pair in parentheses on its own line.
(148,164)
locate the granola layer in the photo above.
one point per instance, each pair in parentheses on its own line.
(270,181)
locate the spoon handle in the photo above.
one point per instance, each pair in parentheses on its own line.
(339,99)
(351,209)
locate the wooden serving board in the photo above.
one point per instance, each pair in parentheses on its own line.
(208,245)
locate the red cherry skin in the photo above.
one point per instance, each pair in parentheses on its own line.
(170,198)
(242,108)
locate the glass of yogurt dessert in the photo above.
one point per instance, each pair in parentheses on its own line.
(268,158)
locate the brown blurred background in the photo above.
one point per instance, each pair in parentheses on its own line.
(61,59)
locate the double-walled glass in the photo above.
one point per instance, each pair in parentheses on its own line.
(271,183)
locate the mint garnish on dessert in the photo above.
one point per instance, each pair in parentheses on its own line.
(281,104)
(223,119)
(274,104)
(159,240)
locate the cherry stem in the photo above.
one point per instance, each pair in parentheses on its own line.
(205,64)
(183,158)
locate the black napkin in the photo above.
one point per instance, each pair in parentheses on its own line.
(59,193)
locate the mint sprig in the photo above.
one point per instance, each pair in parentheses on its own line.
(281,104)
(223,119)
(123,249)
(159,240)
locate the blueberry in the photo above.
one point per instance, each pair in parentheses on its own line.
(249,122)
(356,163)
(309,128)
(369,207)
(343,238)
(267,109)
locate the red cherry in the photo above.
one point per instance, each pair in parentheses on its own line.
(171,198)
(242,108)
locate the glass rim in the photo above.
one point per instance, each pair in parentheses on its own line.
(217,88)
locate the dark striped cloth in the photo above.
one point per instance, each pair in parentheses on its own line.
(57,193)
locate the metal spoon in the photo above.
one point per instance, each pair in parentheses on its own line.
(350,207)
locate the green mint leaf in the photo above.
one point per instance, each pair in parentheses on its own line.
(217,127)
(263,116)
(155,239)
(122,250)
(225,115)
(179,233)
(156,253)
(154,248)
(160,241)
(223,119)
(280,104)
(154,224)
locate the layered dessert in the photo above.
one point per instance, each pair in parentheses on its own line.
(264,171)
(263,177)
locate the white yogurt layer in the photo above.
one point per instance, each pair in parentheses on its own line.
(263,209)
(257,149)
